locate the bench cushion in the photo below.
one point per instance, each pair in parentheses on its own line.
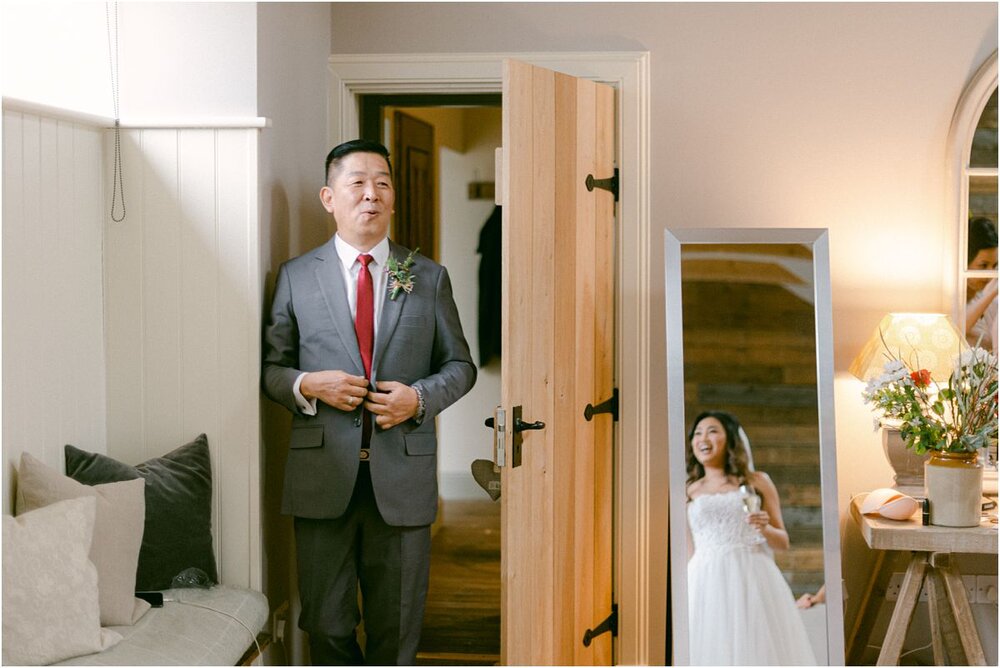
(184,633)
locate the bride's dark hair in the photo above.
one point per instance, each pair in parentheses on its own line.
(737,463)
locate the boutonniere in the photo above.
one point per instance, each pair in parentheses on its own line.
(400,277)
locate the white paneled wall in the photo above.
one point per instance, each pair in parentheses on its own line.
(53,343)
(131,338)
(182,318)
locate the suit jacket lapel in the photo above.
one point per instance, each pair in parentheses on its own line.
(391,309)
(331,284)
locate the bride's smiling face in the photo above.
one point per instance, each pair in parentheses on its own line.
(709,443)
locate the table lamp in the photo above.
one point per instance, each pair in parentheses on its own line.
(924,341)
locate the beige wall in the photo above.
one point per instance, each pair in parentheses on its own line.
(292,48)
(769,115)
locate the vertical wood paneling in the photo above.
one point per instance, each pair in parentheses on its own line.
(556,531)
(81,244)
(160,309)
(189,249)
(131,338)
(123,306)
(13,337)
(53,346)
(237,278)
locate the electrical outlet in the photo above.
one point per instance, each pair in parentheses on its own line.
(895,584)
(278,622)
(986,589)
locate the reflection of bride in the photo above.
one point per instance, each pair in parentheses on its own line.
(742,611)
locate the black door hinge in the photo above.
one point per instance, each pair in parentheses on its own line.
(606,406)
(609,624)
(610,184)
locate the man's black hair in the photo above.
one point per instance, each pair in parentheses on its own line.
(355,146)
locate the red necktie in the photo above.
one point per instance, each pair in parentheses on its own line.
(364,327)
(364,320)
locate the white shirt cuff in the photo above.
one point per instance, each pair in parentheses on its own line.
(307,406)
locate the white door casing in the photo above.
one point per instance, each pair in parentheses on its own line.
(640,506)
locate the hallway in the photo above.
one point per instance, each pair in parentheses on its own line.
(462,618)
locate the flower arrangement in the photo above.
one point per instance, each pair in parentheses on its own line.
(959,416)
(400,277)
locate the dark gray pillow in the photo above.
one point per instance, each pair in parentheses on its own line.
(178,529)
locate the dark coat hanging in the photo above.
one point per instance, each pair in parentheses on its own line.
(490,240)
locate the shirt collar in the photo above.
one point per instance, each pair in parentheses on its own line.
(349,254)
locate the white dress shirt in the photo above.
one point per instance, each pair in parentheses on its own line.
(350,268)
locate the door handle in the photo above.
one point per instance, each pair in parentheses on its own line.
(517,439)
(521,425)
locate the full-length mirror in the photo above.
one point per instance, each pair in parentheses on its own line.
(754,522)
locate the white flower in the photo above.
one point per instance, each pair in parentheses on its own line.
(970,357)
(894,372)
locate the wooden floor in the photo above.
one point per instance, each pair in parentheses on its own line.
(462,618)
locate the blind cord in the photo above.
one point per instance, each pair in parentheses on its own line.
(118,189)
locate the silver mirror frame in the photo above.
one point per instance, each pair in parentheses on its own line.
(818,240)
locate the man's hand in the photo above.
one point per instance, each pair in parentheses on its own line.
(393,404)
(335,388)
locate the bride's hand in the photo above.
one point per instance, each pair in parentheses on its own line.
(759,520)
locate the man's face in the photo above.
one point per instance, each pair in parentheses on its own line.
(360,196)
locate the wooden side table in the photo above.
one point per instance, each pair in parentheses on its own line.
(953,629)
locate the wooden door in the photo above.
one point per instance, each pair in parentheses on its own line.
(558,356)
(413,154)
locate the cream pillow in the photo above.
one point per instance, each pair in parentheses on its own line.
(118,526)
(50,609)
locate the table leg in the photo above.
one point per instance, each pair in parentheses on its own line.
(963,614)
(903,612)
(948,648)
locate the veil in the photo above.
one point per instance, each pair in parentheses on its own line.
(746,448)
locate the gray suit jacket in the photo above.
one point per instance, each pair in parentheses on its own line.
(419,342)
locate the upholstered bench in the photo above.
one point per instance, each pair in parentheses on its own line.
(82,544)
(195,627)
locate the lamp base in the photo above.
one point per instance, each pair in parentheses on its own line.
(907,466)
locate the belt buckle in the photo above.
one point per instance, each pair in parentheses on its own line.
(365,454)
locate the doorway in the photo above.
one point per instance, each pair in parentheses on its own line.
(641,463)
(462,617)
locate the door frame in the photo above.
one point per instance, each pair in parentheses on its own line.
(641,512)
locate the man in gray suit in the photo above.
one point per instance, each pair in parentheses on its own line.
(364,346)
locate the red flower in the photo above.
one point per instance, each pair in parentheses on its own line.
(921,378)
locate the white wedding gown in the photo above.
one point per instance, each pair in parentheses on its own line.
(742,611)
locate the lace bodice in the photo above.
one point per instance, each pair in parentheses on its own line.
(718,521)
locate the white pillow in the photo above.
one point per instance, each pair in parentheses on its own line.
(118,526)
(50,608)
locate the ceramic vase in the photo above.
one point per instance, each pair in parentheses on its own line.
(953,482)
(907,466)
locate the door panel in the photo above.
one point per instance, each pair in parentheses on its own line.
(414,152)
(558,306)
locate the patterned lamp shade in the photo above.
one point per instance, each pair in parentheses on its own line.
(921,340)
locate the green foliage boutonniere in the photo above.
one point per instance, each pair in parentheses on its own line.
(400,277)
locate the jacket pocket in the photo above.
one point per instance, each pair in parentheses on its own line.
(420,444)
(307,437)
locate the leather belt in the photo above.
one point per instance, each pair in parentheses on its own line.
(365,454)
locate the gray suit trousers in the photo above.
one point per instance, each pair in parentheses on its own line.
(391,563)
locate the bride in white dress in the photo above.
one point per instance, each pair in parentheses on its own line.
(742,611)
